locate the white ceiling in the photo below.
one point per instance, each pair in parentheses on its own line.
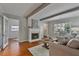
(19,9)
(55,8)
(64,16)
(23,9)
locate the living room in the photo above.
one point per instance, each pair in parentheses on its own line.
(62,28)
(45,29)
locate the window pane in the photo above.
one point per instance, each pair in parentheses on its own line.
(14,28)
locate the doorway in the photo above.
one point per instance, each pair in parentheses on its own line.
(13,29)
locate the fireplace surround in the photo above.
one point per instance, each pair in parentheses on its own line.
(34,35)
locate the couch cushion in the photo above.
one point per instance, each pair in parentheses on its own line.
(73,43)
(63,42)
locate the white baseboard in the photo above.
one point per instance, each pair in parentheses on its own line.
(22,40)
(34,40)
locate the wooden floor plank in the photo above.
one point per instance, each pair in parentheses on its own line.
(18,49)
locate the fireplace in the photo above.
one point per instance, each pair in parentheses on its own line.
(35,36)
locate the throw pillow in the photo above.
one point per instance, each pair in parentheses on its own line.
(73,43)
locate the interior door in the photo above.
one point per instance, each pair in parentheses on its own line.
(5,32)
(1,39)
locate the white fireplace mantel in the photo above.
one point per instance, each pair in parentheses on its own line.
(33,30)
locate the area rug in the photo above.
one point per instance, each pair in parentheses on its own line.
(39,51)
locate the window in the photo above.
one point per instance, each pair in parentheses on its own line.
(14,28)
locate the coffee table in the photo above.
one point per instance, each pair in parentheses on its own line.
(45,42)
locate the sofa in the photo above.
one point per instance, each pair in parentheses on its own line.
(62,50)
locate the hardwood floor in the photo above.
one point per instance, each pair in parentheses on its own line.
(18,49)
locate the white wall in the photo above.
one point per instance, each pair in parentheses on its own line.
(13,22)
(23,30)
(1,10)
(43,28)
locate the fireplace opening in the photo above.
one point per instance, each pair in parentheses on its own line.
(35,36)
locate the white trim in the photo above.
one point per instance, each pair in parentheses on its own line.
(22,40)
(34,40)
(4,44)
(34,31)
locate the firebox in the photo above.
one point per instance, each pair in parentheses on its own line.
(35,36)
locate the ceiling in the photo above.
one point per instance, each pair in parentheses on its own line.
(55,8)
(23,9)
(19,9)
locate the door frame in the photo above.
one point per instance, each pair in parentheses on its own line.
(3,31)
(1,48)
